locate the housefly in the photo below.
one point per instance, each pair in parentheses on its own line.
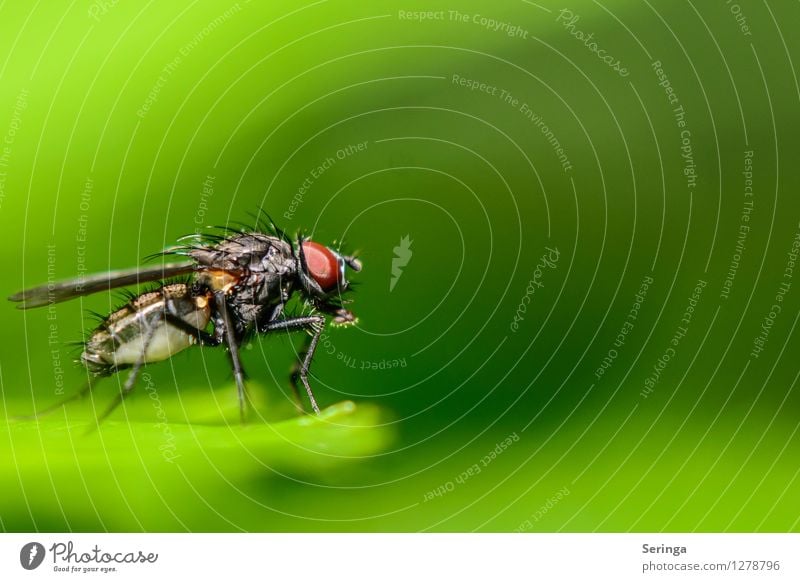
(234,285)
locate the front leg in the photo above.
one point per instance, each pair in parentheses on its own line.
(316,323)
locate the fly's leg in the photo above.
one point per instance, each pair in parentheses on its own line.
(294,377)
(52,408)
(130,381)
(271,317)
(275,313)
(203,338)
(229,338)
(315,323)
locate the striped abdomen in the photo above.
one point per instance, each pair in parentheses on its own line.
(120,340)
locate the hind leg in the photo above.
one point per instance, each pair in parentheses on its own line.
(90,382)
(130,381)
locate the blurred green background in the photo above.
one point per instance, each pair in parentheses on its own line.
(545,161)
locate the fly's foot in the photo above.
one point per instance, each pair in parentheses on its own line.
(344,317)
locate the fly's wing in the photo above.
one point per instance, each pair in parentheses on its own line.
(64,290)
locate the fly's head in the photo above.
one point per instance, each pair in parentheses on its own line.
(322,274)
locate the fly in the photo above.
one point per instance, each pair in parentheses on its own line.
(236,284)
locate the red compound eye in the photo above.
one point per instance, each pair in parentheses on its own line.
(322,265)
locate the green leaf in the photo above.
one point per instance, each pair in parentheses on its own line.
(65,464)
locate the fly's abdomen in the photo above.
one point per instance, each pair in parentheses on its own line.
(143,328)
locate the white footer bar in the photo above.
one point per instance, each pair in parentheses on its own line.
(379,557)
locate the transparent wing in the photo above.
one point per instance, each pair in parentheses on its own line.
(64,290)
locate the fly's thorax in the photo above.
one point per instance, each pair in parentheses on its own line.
(254,252)
(252,270)
(218,280)
(142,326)
(265,281)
